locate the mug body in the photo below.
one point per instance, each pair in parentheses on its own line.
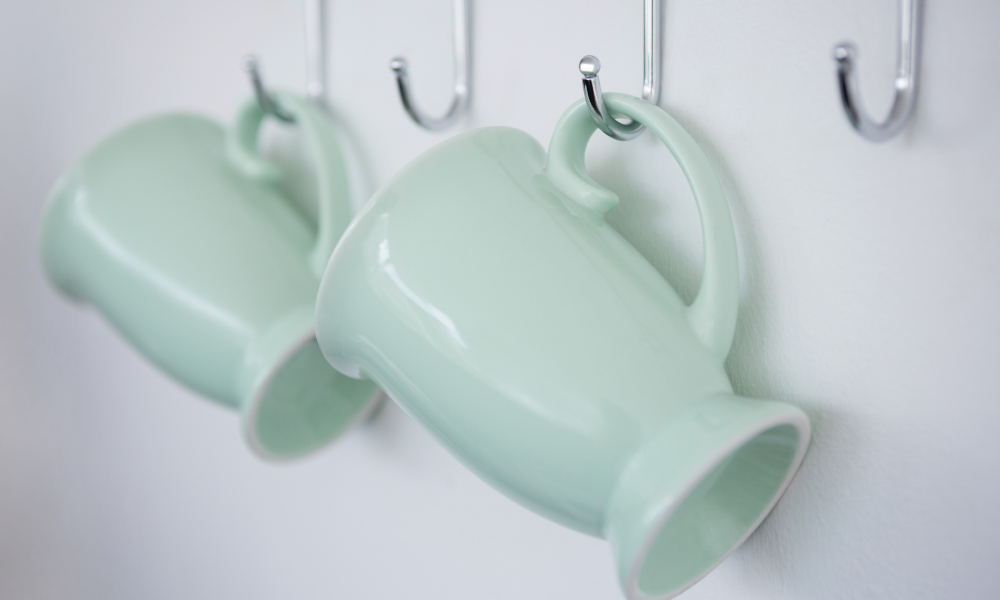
(205,271)
(537,344)
(482,289)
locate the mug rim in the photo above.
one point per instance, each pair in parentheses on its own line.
(753,427)
(251,410)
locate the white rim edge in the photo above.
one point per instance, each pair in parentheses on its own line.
(801,423)
(250,421)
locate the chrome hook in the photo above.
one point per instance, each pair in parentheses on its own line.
(906,79)
(316,51)
(590,67)
(267,104)
(315,65)
(460,49)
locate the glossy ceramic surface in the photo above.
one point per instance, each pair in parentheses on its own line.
(177,231)
(482,289)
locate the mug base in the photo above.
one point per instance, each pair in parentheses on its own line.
(300,403)
(699,489)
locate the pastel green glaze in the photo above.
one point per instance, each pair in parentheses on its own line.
(482,289)
(177,232)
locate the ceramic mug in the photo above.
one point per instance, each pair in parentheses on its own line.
(176,230)
(484,291)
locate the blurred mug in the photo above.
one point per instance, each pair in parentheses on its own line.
(484,291)
(176,231)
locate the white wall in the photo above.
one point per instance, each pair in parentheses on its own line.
(870,295)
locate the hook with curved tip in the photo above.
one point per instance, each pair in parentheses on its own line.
(267,104)
(460,99)
(590,67)
(906,79)
(315,65)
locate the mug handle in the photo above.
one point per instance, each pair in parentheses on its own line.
(712,315)
(334,205)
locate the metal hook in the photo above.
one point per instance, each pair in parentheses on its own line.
(590,67)
(267,104)
(315,65)
(906,79)
(460,100)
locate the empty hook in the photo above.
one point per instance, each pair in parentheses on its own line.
(460,99)
(267,104)
(590,67)
(906,79)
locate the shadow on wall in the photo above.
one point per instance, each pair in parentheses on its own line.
(658,216)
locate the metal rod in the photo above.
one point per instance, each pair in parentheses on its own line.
(590,66)
(462,75)
(651,51)
(315,12)
(907,68)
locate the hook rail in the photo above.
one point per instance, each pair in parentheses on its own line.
(460,98)
(590,67)
(906,79)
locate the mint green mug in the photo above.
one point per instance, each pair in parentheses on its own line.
(482,289)
(176,231)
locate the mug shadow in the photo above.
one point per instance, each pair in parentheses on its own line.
(384,426)
(643,211)
(795,536)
